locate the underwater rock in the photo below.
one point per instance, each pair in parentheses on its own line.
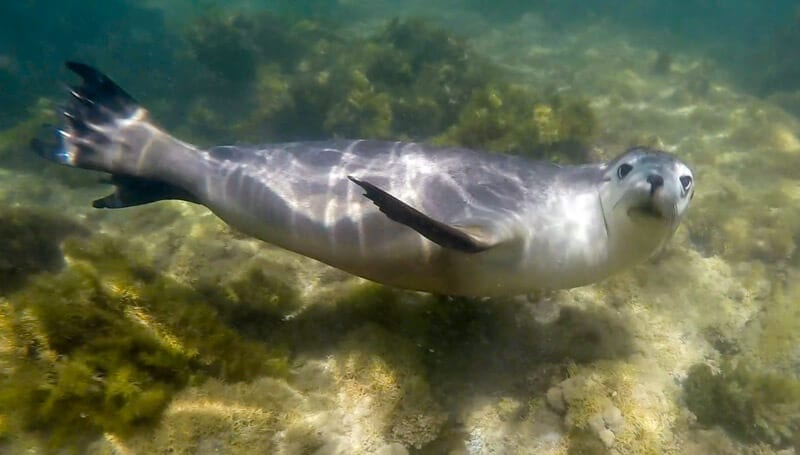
(505,118)
(392,449)
(555,398)
(368,396)
(107,341)
(30,242)
(749,403)
(771,337)
(606,423)
(613,405)
(232,418)
(409,80)
(612,418)
(375,363)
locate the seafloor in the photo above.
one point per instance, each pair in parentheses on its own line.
(263,351)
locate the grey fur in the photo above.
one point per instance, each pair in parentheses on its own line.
(540,225)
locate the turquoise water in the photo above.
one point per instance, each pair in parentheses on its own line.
(159,329)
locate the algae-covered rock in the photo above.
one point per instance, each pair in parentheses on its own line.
(104,344)
(763,225)
(219,417)
(615,405)
(386,371)
(29,243)
(502,117)
(254,299)
(750,403)
(369,393)
(364,112)
(772,335)
(409,80)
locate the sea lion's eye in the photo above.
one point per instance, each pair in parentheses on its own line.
(686,181)
(623,170)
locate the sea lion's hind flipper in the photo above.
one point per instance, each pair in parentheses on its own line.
(91,119)
(131,191)
(105,129)
(99,99)
(440,233)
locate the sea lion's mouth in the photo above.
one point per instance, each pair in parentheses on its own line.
(648,210)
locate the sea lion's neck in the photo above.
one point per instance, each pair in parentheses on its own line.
(631,241)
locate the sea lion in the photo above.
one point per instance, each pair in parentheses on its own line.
(446,220)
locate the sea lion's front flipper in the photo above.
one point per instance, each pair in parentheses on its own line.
(468,240)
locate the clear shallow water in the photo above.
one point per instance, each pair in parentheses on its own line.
(157,328)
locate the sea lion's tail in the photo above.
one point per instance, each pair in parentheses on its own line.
(106,130)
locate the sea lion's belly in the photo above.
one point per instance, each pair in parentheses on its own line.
(301,200)
(368,244)
(375,247)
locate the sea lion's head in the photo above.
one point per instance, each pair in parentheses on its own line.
(645,192)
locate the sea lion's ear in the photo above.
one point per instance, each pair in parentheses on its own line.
(466,239)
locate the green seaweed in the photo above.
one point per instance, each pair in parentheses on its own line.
(755,393)
(252,301)
(29,243)
(363,113)
(409,80)
(234,45)
(750,403)
(104,344)
(584,442)
(506,118)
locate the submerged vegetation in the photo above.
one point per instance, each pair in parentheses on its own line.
(102,345)
(29,244)
(98,341)
(755,394)
(750,403)
(409,80)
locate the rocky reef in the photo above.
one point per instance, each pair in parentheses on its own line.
(408,80)
(158,329)
(103,344)
(752,405)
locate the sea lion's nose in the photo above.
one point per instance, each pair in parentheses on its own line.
(655,182)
